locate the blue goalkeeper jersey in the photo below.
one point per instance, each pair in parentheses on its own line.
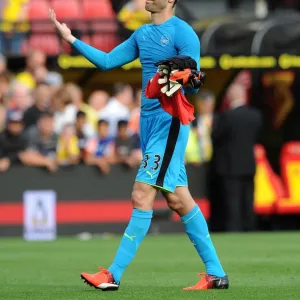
(150,43)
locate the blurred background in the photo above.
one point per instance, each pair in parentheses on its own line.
(68,128)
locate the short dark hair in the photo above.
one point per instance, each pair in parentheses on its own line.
(122,123)
(100,122)
(46,114)
(80,114)
(119,88)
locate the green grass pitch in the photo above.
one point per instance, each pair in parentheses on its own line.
(260,266)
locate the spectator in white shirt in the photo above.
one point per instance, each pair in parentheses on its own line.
(98,101)
(118,107)
(78,101)
(64,111)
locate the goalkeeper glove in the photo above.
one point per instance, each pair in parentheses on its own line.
(197,79)
(170,86)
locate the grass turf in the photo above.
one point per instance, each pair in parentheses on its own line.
(260,266)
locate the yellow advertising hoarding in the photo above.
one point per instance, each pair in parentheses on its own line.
(224,62)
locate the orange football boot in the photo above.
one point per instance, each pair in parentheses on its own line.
(208,282)
(102,280)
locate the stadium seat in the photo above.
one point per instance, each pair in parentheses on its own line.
(97,9)
(38,10)
(48,43)
(100,15)
(103,26)
(104,42)
(86,39)
(66,48)
(67,9)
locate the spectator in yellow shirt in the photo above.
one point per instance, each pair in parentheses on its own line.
(133,15)
(68,152)
(14,25)
(35,60)
(77,101)
(199,147)
(192,153)
(205,104)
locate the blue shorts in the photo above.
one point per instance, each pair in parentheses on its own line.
(163,142)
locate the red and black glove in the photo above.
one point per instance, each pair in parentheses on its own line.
(197,79)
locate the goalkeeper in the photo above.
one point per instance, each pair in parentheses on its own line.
(163,141)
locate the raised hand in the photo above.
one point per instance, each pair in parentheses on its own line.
(63,29)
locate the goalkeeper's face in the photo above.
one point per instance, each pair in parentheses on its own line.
(157,6)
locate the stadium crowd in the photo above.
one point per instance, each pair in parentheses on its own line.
(45,122)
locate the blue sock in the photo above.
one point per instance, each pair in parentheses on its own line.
(197,230)
(134,234)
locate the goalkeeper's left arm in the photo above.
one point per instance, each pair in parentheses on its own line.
(188,44)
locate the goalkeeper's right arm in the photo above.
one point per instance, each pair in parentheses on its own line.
(121,55)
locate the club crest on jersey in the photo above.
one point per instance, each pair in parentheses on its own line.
(165,40)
